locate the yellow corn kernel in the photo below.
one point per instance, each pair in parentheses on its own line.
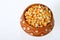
(45,24)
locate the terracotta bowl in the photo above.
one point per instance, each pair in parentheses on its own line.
(37,20)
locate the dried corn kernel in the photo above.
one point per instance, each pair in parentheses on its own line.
(38,15)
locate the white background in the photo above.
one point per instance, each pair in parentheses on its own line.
(10,13)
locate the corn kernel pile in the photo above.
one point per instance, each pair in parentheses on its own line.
(38,16)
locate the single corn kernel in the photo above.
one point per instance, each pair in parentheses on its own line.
(45,23)
(41,10)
